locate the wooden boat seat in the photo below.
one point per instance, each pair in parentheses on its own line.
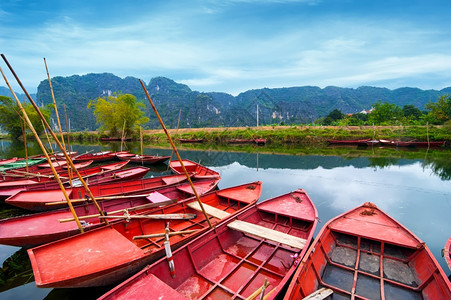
(210,210)
(320,294)
(267,233)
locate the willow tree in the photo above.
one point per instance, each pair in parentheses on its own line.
(113,112)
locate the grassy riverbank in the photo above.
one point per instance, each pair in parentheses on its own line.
(301,135)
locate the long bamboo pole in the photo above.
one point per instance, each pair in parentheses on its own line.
(54,137)
(30,125)
(176,153)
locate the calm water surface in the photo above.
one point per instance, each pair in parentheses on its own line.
(413,191)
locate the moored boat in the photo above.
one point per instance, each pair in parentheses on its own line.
(20,164)
(191,140)
(191,167)
(447,253)
(8,189)
(8,160)
(366,254)
(233,260)
(143,159)
(348,142)
(112,253)
(397,143)
(40,228)
(49,199)
(97,156)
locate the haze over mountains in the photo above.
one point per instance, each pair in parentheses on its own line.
(291,105)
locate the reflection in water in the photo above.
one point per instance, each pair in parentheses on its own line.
(16,271)
(411,186)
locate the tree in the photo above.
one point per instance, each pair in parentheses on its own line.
(385,113)
(333,116)
(411,112)
(440,111)
(111,113)
(11,119)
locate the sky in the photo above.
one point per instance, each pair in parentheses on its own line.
(232,46)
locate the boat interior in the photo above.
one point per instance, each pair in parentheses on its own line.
(228,263)
(358,268)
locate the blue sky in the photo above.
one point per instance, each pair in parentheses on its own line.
(232,45)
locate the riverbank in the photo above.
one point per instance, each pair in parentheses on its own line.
(301,135)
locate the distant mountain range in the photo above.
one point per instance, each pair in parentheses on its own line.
(291,105)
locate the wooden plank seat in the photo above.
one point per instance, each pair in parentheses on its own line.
(210,210)
(267,233)
(320,294)
(257,230)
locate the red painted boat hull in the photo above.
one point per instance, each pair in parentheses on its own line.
(97,157)
(224,263)
(109,254)
(41,228)
(191,167)
(366,253)
(143,159)
(98,178)
(348,142)
(36,200)
(447,253)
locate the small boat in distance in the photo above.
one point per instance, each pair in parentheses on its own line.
(191,140)
(396,143)
(8,160)
(366,254)
(106,255)
(97,156)
(235,259)
(348,142)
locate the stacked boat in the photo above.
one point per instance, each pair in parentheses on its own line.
(178,237)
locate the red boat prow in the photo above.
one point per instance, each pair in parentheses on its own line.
(366,254)
(191,167)
(447,253)
(234,259)
(143,159)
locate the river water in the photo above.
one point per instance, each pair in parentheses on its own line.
(412,188)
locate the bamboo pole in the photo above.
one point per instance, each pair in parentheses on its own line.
(54,136)
(57,117)
(123,134)
(157,235)
(24,132)
(30,125)
(144,206)
(176,153)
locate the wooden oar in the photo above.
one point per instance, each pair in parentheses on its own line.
(156,217)
(144,206)
(258,291)
(155,235)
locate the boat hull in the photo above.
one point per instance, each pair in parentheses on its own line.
(226,263)
(109,254)
(364,253)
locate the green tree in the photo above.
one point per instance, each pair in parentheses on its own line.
(333,116)
(111,113)
(385,113)
(440,111)
(11,119)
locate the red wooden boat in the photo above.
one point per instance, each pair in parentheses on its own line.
(99,177)
(191,167)
(143,159)
(348,142)
(112,253)
(233,260)
(240,141)
(49,199)
(191,140)
(38,172)
(41,228)
(366,254)
(412,143)
(97,157)
(447,253)
(8,160)
(260,141)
